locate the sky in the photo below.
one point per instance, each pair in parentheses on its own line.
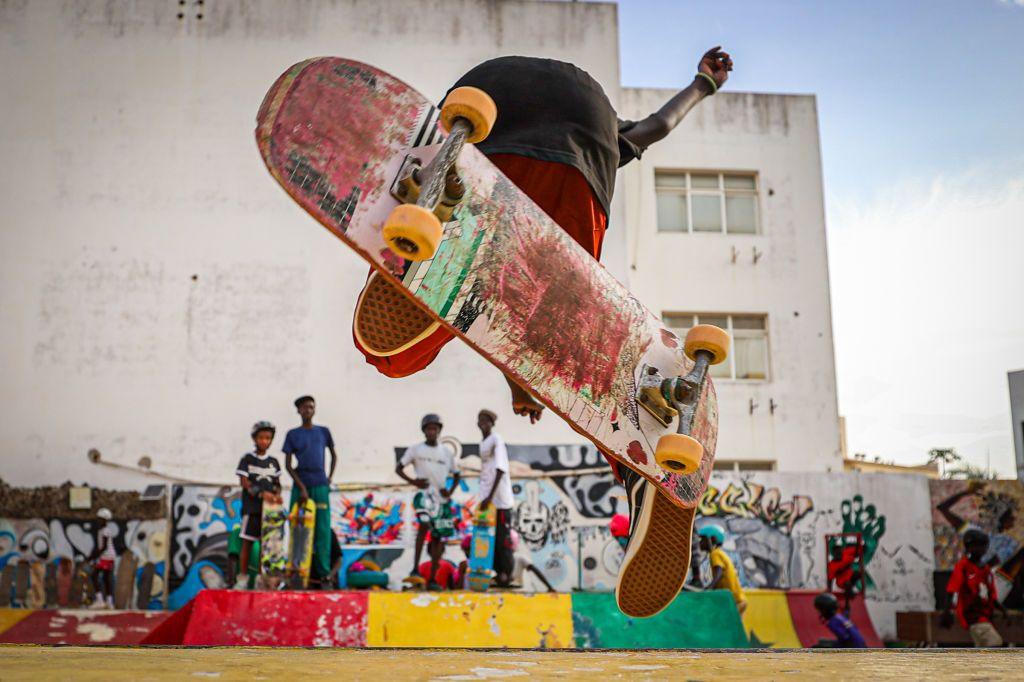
(921,114)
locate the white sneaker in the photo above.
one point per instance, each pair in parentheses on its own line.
(241,583)
(98,603)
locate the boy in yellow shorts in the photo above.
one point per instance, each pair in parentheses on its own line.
(723,572)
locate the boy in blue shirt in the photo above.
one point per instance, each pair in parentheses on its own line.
(847,634)
(307,444)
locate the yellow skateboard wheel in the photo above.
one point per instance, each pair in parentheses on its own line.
(678,454)
(474,105)
(413,232)
(710,338)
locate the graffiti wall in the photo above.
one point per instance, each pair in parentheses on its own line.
(202,519)
(50,540)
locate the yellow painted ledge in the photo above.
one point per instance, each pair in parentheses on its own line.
(767,620)
(11,617)
(469,619)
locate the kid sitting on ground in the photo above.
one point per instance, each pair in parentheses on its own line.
(260,476)
(974,592)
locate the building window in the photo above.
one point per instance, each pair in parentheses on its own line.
(748,355)
(743,465)
(706,202)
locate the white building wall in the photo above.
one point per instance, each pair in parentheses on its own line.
(159,292)
(775,136)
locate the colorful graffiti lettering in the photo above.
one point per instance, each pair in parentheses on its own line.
(753,501)
(370,519)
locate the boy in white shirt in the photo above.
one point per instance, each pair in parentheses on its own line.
(496,488)
(433,464)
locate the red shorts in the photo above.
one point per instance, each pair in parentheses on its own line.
(104,564)
(564,194)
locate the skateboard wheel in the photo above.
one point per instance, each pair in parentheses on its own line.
(474,105)
(710,338)
(413,232)
(678,454)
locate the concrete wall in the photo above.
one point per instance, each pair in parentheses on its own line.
(1016,382)
(775,136)
(159,292)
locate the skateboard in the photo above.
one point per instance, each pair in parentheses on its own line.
(65,571)
(82,590)
(480,571)
(36,597)
(144,590)
(51,584)
(273,554)
(124,581)
(7,584)
(368,157)
(21,582)
(302,522)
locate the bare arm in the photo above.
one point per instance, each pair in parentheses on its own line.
(334,462)
(716,577)
(420,483)
(303,493)
(533,569)
(657,126)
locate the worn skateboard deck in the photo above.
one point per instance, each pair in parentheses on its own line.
(65,571)
(302,522)
(21,582)
(36,597)
(481,552)
(124,581)
(51,584)
(7,584)
(144,590)
(505,278)
(273,552)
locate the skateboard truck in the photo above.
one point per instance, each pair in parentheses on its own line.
(413,229)
(681,453)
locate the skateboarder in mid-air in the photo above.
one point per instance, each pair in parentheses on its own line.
(559,140)
(260,477)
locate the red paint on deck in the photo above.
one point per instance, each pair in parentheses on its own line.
(636,452)
(809,627)
(84,627)
(228,618)
(552,305)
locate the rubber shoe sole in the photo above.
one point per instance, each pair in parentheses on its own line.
(386,321)
(657,559)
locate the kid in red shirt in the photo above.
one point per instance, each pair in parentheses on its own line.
(974,592)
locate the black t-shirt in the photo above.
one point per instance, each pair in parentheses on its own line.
(553,111)
(264,473)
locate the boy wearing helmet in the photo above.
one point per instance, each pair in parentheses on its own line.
(106,555)
(723,572)
(974,592)
(847,634)
(260,476)
(433,464)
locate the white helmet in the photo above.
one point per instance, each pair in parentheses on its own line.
(104,513)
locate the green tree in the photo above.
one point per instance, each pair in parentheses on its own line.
(945,457)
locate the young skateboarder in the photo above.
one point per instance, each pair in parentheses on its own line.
(433,464)
(974,592)
(308,443)
(723,572)
(559,140)
(847,634)
(106,556)
(260,477)
(496,489)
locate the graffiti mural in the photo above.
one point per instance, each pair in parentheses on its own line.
(202,518)
(369,519)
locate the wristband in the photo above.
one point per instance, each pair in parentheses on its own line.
(709,79)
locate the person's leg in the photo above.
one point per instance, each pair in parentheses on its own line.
(108,582)
(322,530)
(243,563)
(503,557)
(436,550)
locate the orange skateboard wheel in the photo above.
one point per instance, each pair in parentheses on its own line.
(710,338)
(474,105)
(413,232)
(678,454)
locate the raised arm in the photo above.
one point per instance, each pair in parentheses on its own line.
(712,72)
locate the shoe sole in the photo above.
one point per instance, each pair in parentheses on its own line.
(657,560)
(386,321)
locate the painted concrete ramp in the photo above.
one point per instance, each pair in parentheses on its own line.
(693,620)
(811,630)
(83,627)
(234,618)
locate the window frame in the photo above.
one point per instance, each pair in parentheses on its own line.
(721,192)
(731,360)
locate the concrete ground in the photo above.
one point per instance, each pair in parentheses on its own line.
(102,663)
